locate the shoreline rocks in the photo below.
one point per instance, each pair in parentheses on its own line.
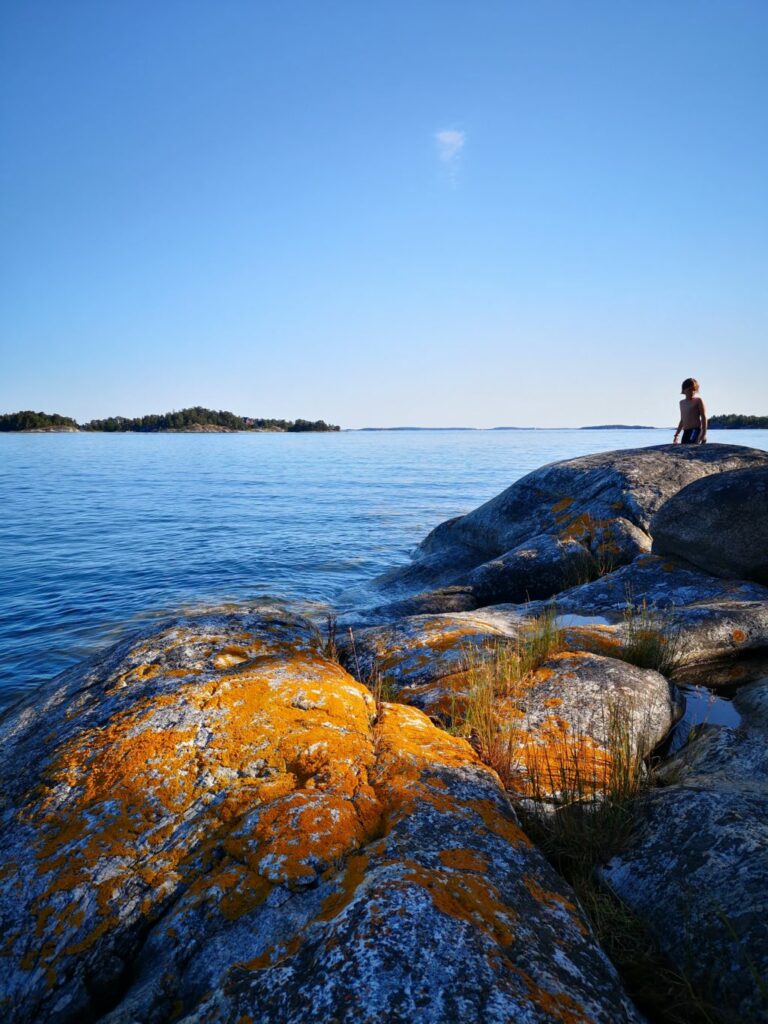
(605,503)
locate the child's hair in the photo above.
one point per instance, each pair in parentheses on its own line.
(690,382)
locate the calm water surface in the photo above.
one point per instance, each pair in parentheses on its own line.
(101,532)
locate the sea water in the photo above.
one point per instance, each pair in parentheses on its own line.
(101,533)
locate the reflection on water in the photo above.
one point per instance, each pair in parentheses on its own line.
(706,707)
(100,533)
(703,706)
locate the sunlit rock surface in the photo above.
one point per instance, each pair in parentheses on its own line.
(604,503)
(427,654)
(719,524)
(707,617)
(696,867)
(214,823)
(563,715)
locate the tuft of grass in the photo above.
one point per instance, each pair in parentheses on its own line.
(593,565)
(580,796)
(648,641)
(499,676)
(330,644)
(664,994)
(382,686)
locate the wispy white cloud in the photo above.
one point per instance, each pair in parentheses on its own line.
(450,143)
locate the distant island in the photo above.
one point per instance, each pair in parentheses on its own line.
(39,421)
(380,429)
(737,421)
(194,420)
(618,426)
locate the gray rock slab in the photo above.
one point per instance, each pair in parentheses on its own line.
(706,616)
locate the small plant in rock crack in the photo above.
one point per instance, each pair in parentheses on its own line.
(648,640)
(330,645)
(382,686)
(590,566)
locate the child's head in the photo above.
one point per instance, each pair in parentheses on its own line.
(690,384)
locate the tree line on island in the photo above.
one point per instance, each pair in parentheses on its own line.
(737,421)
(196,418)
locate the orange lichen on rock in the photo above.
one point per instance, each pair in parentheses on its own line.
(580,527)
(542,895)
(559,1007)
(464,860)
(467,897)
(597,638)
(562,505)
(293,739)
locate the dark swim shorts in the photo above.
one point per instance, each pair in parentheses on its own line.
(691,436)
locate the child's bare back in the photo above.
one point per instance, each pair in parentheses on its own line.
(693,415)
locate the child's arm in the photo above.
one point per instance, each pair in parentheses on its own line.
(679,428)
(703,420)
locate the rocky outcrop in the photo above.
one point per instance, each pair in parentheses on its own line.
(603,503)
(719,524)
(696,868)
(216,823)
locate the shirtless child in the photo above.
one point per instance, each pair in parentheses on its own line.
(693,415)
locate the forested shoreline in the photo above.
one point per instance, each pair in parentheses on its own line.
(195,418)
(737,421)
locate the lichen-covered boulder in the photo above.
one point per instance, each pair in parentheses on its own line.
(423,659)
(603,502)
(719,524)
(216,823)
(581,716)
(560,721)
(696,867)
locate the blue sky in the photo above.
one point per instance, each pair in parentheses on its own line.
(431,213)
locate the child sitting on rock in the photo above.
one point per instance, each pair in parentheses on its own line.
(693,415)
